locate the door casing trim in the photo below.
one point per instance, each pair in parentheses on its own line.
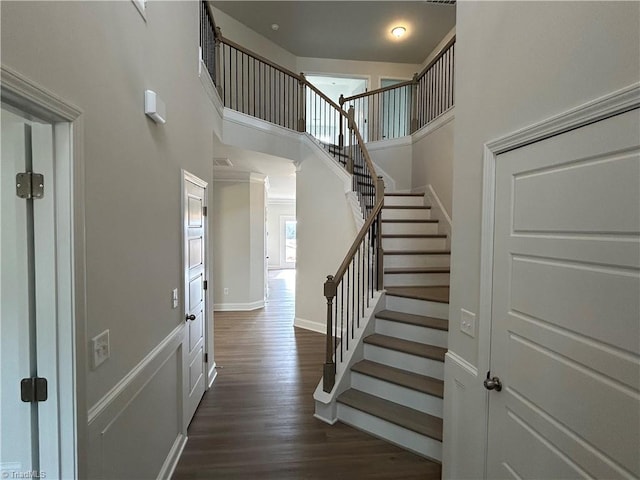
(30,97)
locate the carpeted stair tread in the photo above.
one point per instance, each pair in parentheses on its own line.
(404,378)
(411,319)
(405,417)
(406,346)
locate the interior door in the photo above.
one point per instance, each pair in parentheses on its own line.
(19,449)
(565,341)
(28,325)
(195,230)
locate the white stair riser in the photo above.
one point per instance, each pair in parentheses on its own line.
(417,307)
(415,279)
(401,200)
(430,228)
(420,444)
(406,214)
(413,333)
(398,261)
(419,243)
(404,361)
(420,401)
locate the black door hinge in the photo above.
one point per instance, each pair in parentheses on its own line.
(204,211)
(29,185)
(206,358)
(205,285)
(33,389)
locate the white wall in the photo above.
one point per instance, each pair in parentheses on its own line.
(325,231)
(238,240)
(432,159)
(392,158)
(517,63)
(257,244)
(101,56)
(230,237)
(275,210)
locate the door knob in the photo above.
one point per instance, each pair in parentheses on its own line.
(191,317)
(492,383)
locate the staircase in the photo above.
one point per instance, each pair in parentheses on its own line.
(397,389)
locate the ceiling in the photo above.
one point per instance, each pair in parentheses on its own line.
(349,30)
(281,172)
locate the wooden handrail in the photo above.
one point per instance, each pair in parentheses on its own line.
(212,17)
(442,51)
(325,98)
(439,55)
(260,58)
(367,158)
(379,90)
(358,240)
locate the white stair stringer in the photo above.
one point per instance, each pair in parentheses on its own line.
(356,209)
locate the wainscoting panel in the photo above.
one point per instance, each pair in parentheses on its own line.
(136,427)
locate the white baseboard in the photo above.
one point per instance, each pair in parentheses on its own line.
(172,459)
(238,307)
(309,325)
(212,374)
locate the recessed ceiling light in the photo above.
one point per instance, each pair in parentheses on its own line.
(398,31)
(275,26)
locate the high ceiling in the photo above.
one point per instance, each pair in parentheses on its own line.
(349,30)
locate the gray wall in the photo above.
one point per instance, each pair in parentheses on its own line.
(517,63)
(101,56)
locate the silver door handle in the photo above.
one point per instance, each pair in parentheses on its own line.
(492,383)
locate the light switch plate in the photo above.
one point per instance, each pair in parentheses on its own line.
(468,322)
(174,298)
(100,348)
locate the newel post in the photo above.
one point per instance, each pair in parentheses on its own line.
(218,68)
(302,102)
(341,135)
(379,249)
(414,103)
(329,374)
(350,116)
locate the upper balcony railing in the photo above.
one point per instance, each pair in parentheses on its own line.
(401,109)
(256,86)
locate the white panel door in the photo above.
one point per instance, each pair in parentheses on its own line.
(19,433)
(565,339)
(194,221)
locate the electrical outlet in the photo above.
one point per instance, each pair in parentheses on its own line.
(174,298)
(100,348)
(226,291)
(468,322)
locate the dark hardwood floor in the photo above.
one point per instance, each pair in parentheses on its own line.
(256,422)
